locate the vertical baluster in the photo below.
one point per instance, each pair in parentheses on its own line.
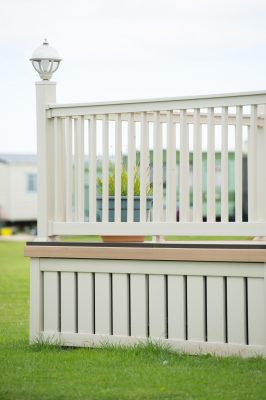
(224,166)
(260,161)
(79,169)
(211,168)
(144,165)
(92,170)
(184,168)
(197,168)
(58,173)
(171,169)
(105,188)
(118,164)
(238,165)
(251,165)
(157,170)
(69,169)
(131,164)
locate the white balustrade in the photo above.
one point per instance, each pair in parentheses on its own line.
(194,189)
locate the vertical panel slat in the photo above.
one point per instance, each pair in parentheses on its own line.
(251,166)
(68,302)
(171,170)
(58,172)
(131,166)
(157,170)
(238,165)
(120,305)
(176,307)
(79,169)
(197,168)
(138,305)
(211,168)
(105,189)
(92,169)
(157,306)
(118,164)
(69,170)
(256,312)
(36,299)
(85,303)
(260,151)
(224,166)
(102,303)
(51,301)
(216,324)
(144,165)
(236,310)
(195,308)
(184,168)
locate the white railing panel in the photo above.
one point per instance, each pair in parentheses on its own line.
(252,176)
(69,171)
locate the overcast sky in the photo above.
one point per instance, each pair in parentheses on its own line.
(126,49)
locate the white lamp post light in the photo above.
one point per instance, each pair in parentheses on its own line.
(45,60)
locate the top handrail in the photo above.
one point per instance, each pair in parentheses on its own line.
(157,104)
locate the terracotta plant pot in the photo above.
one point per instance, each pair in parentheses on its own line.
(123,239)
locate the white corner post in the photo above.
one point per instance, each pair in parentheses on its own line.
(45,94)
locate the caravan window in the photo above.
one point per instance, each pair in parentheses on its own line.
(31,182)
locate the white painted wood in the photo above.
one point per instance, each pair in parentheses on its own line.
(252,178)
(59,195)
(131,167)
(190,347)
(103,303)
(121,304)
(256,312)
(176,307)
(260,166)
(45,94)
(85,302)
(197,168)
(171,169)
(140,268)
(92,169)
(157,169)
(79,169)
(138,305)
(184,169)
(216,322)
(68,302)
(118,165)
(224,166)
(144,165)
(51,298)
(189,102)
(236,310)
(69,170)
(36,299)
(105,189)
(211,168)
(238,164)
(157,306)
(195,308)
(160,228)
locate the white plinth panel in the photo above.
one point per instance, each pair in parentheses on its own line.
(192,306)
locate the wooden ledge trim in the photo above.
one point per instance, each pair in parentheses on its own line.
(138,253)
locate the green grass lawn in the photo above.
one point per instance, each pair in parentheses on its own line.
(150,373)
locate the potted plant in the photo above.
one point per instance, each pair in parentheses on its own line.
(111,201)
